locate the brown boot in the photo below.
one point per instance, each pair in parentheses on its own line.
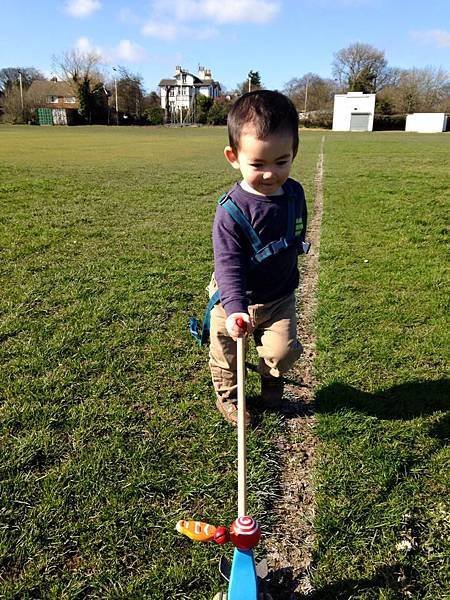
(229,410)
(272,389)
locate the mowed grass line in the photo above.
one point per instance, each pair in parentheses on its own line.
(108,433)
(383,402)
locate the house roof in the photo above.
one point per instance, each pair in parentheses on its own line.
(206,82)
(198,83)
(52,88)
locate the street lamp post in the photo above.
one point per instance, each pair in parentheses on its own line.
(21,91)
(306,94)
(115,90)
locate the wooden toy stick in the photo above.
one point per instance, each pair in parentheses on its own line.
(242,453)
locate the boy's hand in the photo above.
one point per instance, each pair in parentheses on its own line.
(233,328)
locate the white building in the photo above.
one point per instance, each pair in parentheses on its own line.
(426,122)
(177,94)
(353,111)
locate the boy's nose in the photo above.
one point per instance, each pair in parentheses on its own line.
(267,175)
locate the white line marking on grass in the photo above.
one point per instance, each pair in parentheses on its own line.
(289,546)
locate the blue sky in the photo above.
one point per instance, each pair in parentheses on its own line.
(281,39)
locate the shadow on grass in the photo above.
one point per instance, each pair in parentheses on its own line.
(401,580)
(402,402)
(406,401)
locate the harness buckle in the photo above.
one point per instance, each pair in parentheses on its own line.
(279,245)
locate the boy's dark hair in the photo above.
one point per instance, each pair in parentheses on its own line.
(268,111)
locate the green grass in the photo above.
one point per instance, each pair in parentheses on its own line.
(108,432)
(384,396)
(108,429)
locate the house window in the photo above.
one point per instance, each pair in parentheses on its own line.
(52,99)
(70,100)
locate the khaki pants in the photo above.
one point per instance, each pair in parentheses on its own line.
(275,337)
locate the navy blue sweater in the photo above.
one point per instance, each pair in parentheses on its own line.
(240,281)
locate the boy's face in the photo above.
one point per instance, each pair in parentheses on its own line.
(264,164)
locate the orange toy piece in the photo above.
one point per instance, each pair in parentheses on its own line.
(196,530)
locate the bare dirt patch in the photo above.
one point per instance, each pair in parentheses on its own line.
(289,547)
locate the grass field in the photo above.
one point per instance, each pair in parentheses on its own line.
(108,431)
(383,482)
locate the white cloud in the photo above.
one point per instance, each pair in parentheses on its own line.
(126,51)
(170,17)
(162,31)
(85,46)
(235,11)
(436,37)
(170,31)
(82,8)
(130,52)
(218,11)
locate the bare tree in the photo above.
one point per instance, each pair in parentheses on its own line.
(361,67)
(75,67)
(418,90)
(81,70)
(14,85)
(9,77)
(311,92)
(130,93)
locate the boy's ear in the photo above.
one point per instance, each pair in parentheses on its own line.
(231,157)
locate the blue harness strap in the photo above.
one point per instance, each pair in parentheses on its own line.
(238,216)
(201,334)
(261,252)
(295,230)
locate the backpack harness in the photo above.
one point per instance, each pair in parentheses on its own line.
(295,231)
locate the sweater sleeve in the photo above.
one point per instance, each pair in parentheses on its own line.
(230,262)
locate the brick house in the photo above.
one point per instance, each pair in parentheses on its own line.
(53,94)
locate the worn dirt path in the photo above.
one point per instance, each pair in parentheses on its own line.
(289,548)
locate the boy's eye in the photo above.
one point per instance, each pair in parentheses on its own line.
(256,165)
(282,162)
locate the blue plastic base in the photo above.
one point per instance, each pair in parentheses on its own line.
(243,582)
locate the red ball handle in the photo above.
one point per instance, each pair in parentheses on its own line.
(241,324)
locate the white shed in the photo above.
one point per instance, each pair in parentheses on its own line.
(426,122)
(353,111)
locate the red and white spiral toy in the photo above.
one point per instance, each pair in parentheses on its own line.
(245,533)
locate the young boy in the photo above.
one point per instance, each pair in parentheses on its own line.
(258,233)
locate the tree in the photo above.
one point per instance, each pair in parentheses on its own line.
(151,100)
(17,102)
(202,104)
(218,113)
(311,92)
(361,68)
(76,66)
(82,71)
(130,93)
(252,83)
(418,90)
(154,115)
(9,77)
